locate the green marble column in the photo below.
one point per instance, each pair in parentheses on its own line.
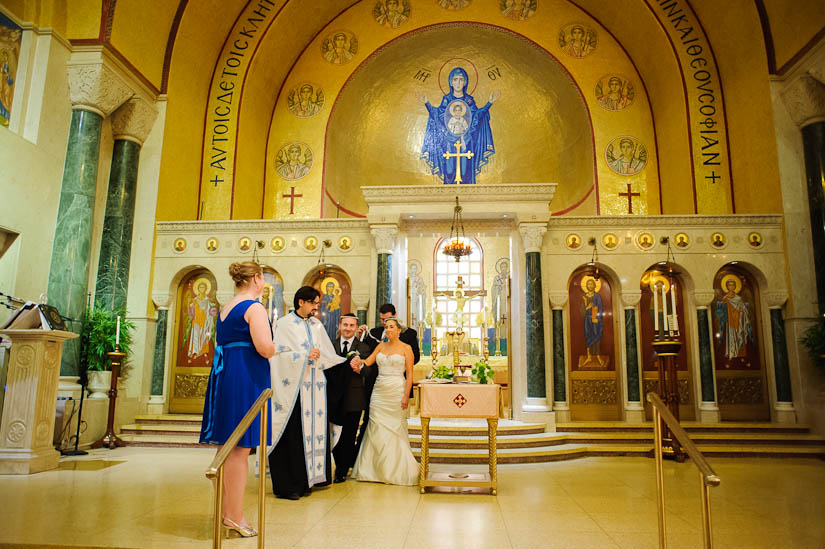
(383,293)
(632,351)
(707,374)
(780,357)
(559,367)
(362,316)
(536,385)
(813,143)
(159,358)
(71,250)
(116,242)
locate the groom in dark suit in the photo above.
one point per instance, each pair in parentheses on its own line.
(376,335)
(349,387)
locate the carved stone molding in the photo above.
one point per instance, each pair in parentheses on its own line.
(776,299)
(384,237)
(509,192)
(532,235)
(97,88)
(631,298)
(134,120)
(470,226)
(805,99)
(558,299)
(673,221)
(703,298)
(259,226)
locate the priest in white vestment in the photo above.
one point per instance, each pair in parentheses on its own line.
(298,459)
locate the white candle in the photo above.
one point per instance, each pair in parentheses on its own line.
(664,310)
(675,323)
(117,332)
(655,309)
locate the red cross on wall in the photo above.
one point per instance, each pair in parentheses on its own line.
(292,196)
(629,194)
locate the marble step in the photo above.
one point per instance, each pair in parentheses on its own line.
(170,419)
(176,429)
(574,451)
(556,439)
(689,426)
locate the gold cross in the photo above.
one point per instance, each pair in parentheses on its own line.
(458,155)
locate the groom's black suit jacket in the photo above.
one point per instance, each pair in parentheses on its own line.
(340,377)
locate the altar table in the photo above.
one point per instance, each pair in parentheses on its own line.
(459,400)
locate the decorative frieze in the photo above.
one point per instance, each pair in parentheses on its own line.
(384,237)
(532,235)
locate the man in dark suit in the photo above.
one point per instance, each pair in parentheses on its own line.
(349,387)
(376,335)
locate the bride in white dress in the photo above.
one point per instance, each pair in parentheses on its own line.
(385,454)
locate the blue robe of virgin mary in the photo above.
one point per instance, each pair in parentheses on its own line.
(457,119)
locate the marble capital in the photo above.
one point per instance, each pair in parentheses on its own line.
(558,299)
(805,100)
(532,235)
(703,298)
(133,120)
(631,298)
(776,299)
(360,301)
(97,88)
(384,237)
(161,299)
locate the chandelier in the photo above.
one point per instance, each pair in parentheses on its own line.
(456,246)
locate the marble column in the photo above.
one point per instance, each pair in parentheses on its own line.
(784,411)
(634,408)
(560,404)
(813,142)
(131,124)
(708,407)
(384,244)
(360,303)
(532,235)
(95,91)
(159,358)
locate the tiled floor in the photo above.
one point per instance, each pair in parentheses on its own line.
(151,497)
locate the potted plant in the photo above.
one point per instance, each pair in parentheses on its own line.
(98,338)
(813,339)
(483,372)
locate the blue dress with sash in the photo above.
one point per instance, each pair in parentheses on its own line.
(239,375)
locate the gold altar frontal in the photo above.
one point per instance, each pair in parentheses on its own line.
(459,400)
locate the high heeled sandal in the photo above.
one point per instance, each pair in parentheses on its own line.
(243,531)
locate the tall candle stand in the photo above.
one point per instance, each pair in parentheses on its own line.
(110,439)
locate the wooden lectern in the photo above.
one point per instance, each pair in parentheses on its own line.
(29,409)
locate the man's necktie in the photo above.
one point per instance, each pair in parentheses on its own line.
(344,348)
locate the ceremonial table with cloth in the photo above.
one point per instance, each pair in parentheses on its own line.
(459,400)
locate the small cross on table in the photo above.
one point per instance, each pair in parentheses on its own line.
(629,194)
(458,155)
(292,196)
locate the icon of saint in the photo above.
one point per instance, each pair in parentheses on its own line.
(734,319)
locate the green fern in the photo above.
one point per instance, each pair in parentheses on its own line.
(98,336)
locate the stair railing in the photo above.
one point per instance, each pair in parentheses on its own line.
(215,470)
(707,477)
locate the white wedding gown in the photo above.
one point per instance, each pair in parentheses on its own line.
(385,454)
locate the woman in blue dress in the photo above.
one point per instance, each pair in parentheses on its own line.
(240,372)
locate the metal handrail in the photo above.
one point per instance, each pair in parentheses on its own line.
(215,470)
(706,475)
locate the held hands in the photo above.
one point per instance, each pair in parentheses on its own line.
(314,353)
(356,364)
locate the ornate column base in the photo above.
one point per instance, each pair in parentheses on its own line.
(784,412)
(634,412)
(709,413)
